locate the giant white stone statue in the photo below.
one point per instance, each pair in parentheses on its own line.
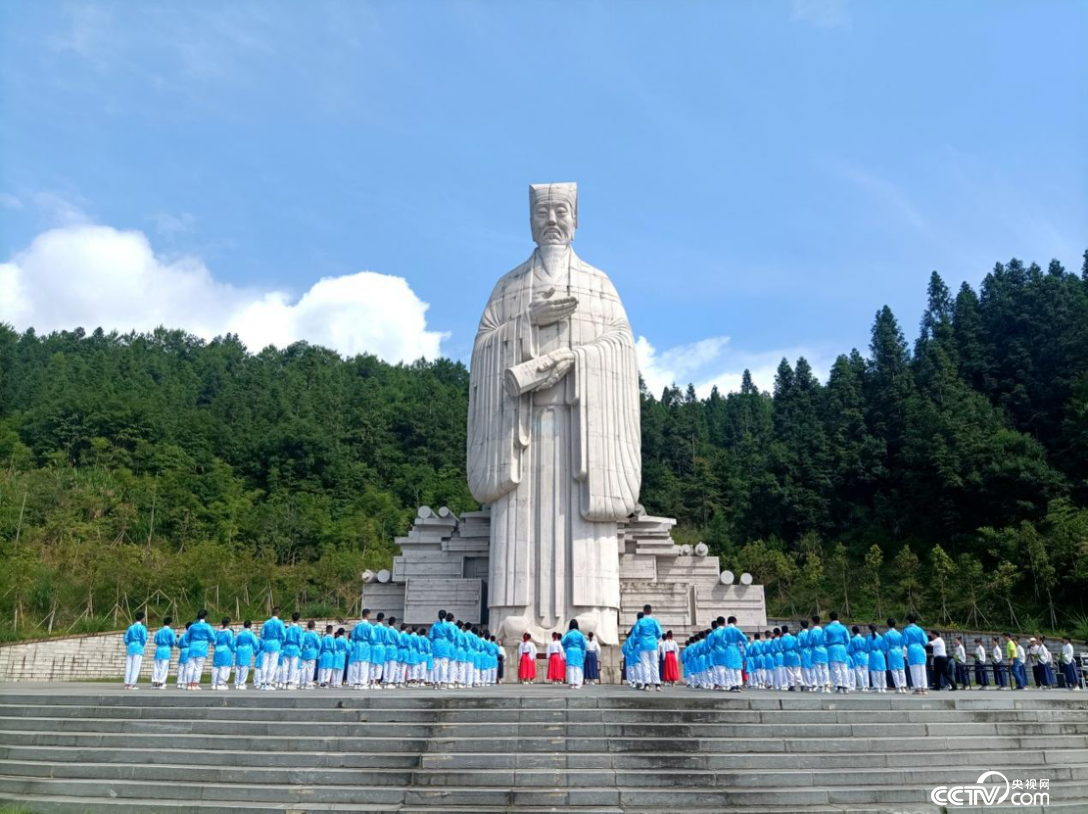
(553,433)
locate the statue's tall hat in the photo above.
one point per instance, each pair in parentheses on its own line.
(555,192)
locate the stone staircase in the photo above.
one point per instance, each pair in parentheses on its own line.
(87,748)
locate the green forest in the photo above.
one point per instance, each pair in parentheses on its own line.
(948,476)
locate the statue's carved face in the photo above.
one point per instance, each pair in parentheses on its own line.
(553,222)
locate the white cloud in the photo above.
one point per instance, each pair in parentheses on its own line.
(90,276)
(821,13)
(9,201)
(715,362)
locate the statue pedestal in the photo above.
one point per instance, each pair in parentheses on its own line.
(444,565)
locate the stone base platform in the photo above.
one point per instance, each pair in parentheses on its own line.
(444,564)
(97,748)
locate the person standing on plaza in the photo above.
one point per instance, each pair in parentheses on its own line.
(135,641)
(377,651)
(526,659)
(837,638)
(942,670)
(223,655)
(893,648)
(1069,665)
(556,667)
(878,662)
(201,636)
(441,646)
(309,650)
(246,646)
(593,659)
(287,678)
(165,641)
(359,669)
(959,655)
(574,653)
(859,652)
(183,657)
(273,633)
(915,640)
(997,658)
(819,655)
(982,678)
(647,633)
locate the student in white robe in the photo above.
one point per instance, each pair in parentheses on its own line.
(982,676)
(1069,665)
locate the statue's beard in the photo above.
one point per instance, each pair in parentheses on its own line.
(553,255)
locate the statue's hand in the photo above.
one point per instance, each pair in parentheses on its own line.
(558,362)
(548,311)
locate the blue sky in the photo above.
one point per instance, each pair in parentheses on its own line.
(757,178)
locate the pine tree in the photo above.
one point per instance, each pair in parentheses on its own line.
(874,564)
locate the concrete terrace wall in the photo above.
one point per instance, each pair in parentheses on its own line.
(86,657)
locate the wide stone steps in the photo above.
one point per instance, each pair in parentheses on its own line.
(606,749)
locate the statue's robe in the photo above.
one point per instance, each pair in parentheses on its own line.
(559,466)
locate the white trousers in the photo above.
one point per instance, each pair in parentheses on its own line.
(355,669)
(900,678)
(289,671)
(918,676)
(574,676)
(306,672)
(442,671)
(392,672)
(337,676)
(793,676)
(879,679)
(651,673)
(241,673)
(324,675)
(780,677)
(733,676)
(183,674)
(196,668)
(220,676)
(861,677)
(160,670)
(823,677)
(266,673)
(132,667)
(838,674)
(376,670)
(808,676)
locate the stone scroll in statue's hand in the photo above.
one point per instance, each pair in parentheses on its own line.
(538,374)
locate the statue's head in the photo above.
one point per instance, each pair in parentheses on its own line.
(553,213)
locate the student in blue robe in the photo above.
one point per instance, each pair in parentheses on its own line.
(309,650)
(858,650)
(878,664)
(819,655)
(201,638)
(916,640)
(246,646)
(183,657)
(837,638)
(292,641)
(574,651)
(273,634)
(135,641)
(326,661)
(340,658)
(808,679)
(359,663)
(223,655)
(377,651)
(165,641)
(893,649)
